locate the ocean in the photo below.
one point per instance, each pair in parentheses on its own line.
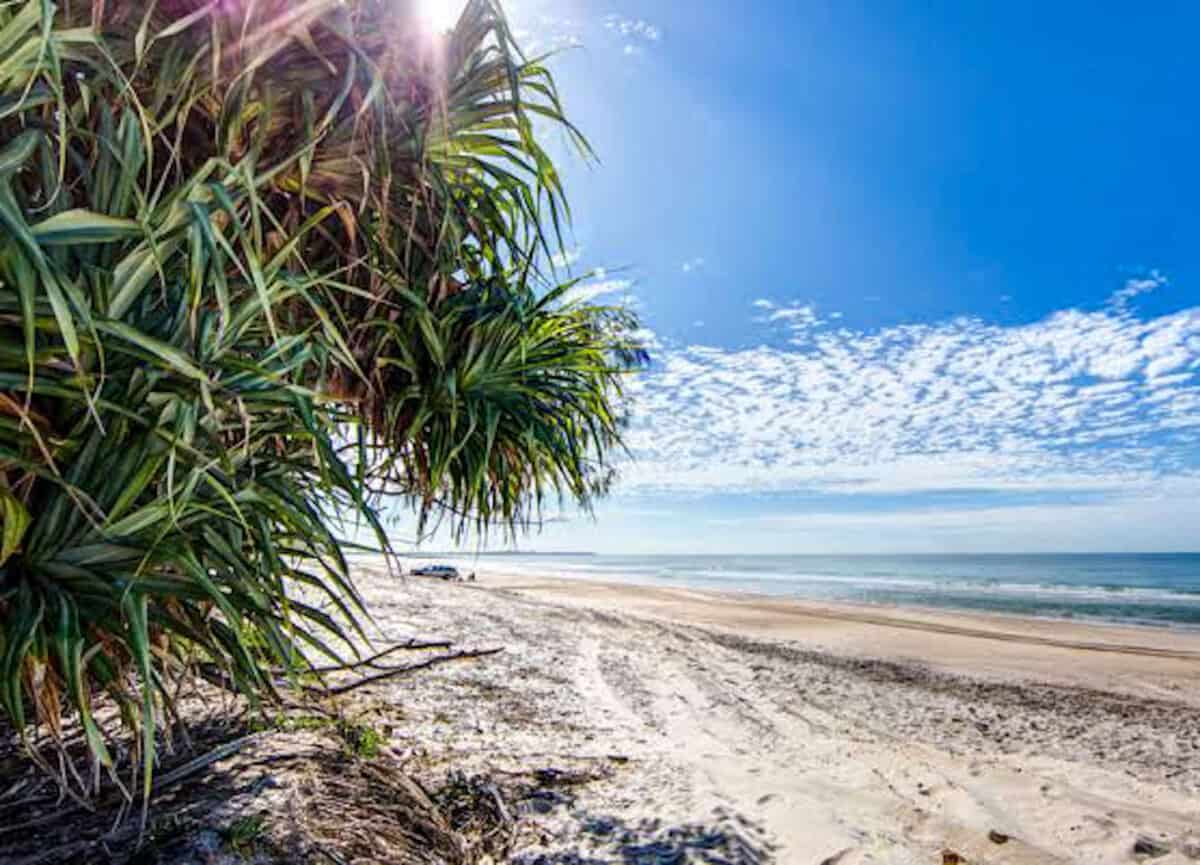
(1150,589)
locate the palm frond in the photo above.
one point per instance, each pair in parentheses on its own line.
(236,236)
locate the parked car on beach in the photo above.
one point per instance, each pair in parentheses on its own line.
(442,572)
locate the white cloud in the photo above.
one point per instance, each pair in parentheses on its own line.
(632,28)
(542,31)
(636,33)
(564,258)
(799,318)
(586,291)
(647,338)
(546,33)
(1134,287)
(1099,401)
(1169,362)
(692,264)
(795,315)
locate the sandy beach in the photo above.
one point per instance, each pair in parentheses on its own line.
(515,432)
(735,729)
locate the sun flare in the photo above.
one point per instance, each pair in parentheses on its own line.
(438,15)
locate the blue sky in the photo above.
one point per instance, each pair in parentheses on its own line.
(919,277)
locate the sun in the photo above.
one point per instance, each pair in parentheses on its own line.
(438,15)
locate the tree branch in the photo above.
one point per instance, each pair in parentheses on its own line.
(411,645)
(401,671)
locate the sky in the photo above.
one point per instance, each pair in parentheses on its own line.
(916,277)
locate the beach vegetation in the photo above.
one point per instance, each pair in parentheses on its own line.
(266,267)
(362,740)
(243,834)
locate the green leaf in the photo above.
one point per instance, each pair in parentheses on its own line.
(229,245)
(79,226)
(176,359)
(16,521)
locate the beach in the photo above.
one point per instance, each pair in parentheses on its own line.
(466,432)
(695,724)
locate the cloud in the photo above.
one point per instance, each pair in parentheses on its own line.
(1081,401)
(636,33)
(1134,287)
(647,338)
(632,28)
(795,316)
(540,29)
(692,264)
(586,291)
(799,318)
(548,33)
(564,258)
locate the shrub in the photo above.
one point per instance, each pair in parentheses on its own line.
(263,264)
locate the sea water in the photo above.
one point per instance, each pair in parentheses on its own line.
(1153,589)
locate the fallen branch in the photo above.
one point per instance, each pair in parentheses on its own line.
(401,671)
(410,646)
(203,761)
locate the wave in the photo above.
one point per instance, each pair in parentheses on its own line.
(778,579)
(1158,591)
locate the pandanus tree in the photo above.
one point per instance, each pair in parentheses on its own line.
(261,263)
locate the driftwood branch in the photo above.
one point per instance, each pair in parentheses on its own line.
(410,646)
(402,671)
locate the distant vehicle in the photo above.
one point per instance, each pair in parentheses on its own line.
(442,572)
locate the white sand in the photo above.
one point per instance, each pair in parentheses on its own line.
(758,730)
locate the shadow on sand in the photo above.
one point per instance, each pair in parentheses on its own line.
(600,840)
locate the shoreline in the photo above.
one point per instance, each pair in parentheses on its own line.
(1106,655)
(705,715)
(879,606)
(494,564)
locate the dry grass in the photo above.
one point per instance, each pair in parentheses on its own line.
(317,783)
